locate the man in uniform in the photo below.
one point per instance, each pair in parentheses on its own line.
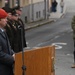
(18,10)
(16,30)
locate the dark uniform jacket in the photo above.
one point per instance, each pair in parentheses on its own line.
(14,34)
(12,31)
(20,22)
(18,36)
(14,28)
(6,59)
(9,30)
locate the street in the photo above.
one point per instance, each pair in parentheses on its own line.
(38,36)
(58,33)
(64,55)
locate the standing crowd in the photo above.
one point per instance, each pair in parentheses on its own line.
(13,28)
(12,37)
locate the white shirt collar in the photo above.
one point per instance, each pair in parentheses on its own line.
(2,29)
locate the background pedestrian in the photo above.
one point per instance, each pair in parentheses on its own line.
(54,6)
(62,5)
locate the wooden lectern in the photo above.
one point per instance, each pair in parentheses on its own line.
(39,61)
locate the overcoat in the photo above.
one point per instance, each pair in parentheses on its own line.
(19,36)
(6,59)
(9,30)
(20,22)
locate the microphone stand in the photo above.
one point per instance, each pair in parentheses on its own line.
(23,66)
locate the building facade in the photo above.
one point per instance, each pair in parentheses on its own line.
(33,10)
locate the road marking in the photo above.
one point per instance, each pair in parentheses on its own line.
(59,45)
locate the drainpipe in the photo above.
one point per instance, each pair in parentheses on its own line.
(48,9)
(32,6)
(45,9)
(18,2)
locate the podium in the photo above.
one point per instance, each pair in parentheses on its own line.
(38,61)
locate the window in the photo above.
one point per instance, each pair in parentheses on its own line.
(43,12)
(36,14)
(39,14)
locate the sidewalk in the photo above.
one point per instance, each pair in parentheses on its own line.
(37,23)
(52,18)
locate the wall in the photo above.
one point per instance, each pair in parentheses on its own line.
(2,3)
(30,11)
(36,1)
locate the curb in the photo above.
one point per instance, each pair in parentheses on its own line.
(43,23)
(40,24)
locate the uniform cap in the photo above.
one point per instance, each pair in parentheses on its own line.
(17,8)
(7,9)
(3,14)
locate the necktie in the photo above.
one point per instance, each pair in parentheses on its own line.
(5,35)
